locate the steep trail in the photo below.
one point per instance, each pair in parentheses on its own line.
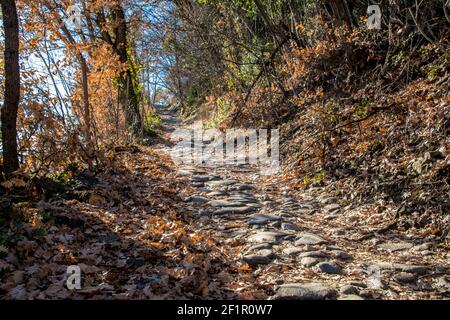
(305,244)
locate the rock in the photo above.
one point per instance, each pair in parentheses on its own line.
(376,283)
(327,200)
(418,165)
(261,219)
(290,237)
(96,200)
(331,247)
(105,287)
(442,268)
(276,225)
(310,247)
(443,282)
(309,238)
(338,254)
(308,291)
(243,187)
(109,238)
(313,254)
(338,232)
(422,247)
(292,206)
(198,184)
(301,212)
(266,253)
(438,154)
(284,214)
(401,267)
(232,210)
(289,226)
(260,246)
(426,252)
(216,194)
(224,203)
(405,277)
(396,246)
(202,213)
(17,277)
(185,172)
(197,199)
(329,267)
(375,241)
(221,183)
(348,289)
(262,257)
(350,297)
(381,266)
(309,261)
(357,284)
(307,206)
(411,268)
(292,251)
(366,294)
(237,233)
(267,236)
(332,207)
(352,218)
(204,178)
(242,199)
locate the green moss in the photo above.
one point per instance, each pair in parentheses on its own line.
(306,181)
(320,176)
(135,69)
(39,232)
(363,109)
(47,217)
(224,108)
(193,100)
(152,122)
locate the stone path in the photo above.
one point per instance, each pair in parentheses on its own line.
(304,245)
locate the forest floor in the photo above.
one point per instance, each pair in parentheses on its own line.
(149,229)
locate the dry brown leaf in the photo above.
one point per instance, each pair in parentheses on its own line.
(14,183)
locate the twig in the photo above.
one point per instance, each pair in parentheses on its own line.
(447,15)
(390,226)
(419,28)
(274,53)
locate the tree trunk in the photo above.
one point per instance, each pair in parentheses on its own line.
(12,87)
(86,107)
(128,97)
(341,12)
(85,86)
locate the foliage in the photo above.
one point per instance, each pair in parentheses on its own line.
(152,122)
(222,110)
(363,116)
